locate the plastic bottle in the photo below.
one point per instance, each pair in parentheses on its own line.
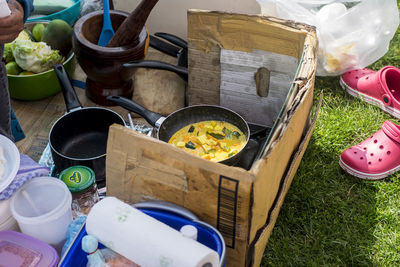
(4,9)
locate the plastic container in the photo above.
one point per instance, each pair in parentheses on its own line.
(80,181)
(18,250)
(70,15)
(7,221)
(12,161)
(42,208)
(172,215)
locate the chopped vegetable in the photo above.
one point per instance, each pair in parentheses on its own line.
(202,139)
(218,136)
(190,145)
(180,144)
(236,134)
(227,132)
(212,140)
(225,148)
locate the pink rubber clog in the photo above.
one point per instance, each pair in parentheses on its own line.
(381,88)
(376,157)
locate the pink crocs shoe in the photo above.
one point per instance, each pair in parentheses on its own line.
(376,157)
(381,88)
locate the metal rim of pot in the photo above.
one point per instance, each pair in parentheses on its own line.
(62,117)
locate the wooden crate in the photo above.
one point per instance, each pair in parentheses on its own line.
(242,204)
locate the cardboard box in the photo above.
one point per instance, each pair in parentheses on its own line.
(242,204)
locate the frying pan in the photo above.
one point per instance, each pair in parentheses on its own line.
(169,125)
(80,136)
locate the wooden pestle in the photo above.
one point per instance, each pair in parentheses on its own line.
(128,32)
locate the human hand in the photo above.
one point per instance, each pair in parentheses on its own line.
(12,25)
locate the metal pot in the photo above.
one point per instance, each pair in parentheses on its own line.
(169,125)
(80,136)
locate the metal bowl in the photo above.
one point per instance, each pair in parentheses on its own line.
(41,85)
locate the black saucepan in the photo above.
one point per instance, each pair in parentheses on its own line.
(169,125)
(80,136)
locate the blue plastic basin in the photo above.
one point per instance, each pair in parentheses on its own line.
(206,235)
(70,15)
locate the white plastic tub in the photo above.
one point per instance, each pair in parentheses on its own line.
(7,221)
(42,208)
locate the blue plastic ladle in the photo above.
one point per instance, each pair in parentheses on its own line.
(107,32)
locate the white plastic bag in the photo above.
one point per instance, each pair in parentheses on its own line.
(351,34)
(88,6)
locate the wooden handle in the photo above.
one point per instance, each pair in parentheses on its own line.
(128,32)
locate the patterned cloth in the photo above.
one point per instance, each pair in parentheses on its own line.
(28,170)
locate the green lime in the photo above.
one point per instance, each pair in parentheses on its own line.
(25,73)
(13,68)
(37,31)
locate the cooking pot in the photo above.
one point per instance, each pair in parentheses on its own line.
(168,126)
(80,136)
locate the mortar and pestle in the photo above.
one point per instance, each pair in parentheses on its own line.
(103,66)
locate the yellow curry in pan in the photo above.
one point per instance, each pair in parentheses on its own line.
(212,140)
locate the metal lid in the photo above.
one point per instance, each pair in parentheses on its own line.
(78,178)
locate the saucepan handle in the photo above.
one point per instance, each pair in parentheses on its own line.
(70,97)
(150,116)
(154,64)
(173,39)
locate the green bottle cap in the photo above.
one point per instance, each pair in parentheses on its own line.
(77,178)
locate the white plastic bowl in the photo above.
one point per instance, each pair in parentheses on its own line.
(11,155)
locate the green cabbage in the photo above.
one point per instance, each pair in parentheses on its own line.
(35,56)
(7,53)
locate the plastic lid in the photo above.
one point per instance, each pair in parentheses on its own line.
(17,249)
(189,231)
(78,178)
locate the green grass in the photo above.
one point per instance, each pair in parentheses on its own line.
(330,218)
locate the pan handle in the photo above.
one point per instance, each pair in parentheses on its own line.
(70,97)
(153,64)
(164,47)
(173,39)
(150,116)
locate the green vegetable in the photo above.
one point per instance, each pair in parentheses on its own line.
(190,145)
(191,129)
(37,31)
(216,135)
(8,54)
(35,57)
(236,134)
(25,35)
(12,68)
(225,148)
(58,35)
(227,132)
